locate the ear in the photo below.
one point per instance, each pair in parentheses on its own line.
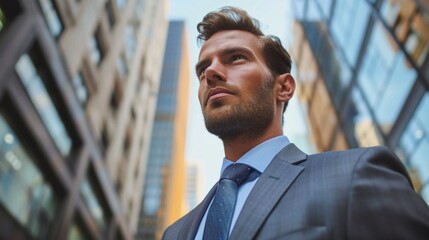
(285,87)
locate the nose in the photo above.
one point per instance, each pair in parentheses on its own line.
(215,72)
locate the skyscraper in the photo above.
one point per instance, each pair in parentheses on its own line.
(164,189)
(363,77)
(77,96)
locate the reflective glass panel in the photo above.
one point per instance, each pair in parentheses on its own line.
(94,205)
(95,50)
(122,67)
(348,26)
(43,103)
(75,233)
(80,88)
(359,122)
(121,3)
(130,41)
(414,142)
(24,192)
(2,19)
(51,16)
(386,78)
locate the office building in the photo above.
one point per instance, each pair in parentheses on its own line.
(164,189)
(362,70)
(78,85)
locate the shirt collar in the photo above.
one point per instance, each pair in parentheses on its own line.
(260,156)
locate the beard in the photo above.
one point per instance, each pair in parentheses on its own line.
(248,119)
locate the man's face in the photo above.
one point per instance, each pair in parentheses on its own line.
(236,86)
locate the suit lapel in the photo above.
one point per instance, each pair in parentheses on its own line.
(272,184)
(190,228)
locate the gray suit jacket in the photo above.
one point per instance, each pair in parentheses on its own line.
(354,194)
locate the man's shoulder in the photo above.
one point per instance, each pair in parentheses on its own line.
(354,153)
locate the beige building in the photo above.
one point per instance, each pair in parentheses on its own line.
(78,89)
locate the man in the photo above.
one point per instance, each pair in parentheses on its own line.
(245,85)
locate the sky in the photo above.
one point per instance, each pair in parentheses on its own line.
(276,18)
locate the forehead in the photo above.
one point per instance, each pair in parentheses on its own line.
(230,39)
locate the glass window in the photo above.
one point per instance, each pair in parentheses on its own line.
(2,19)
(95,49)
(51,17)
(94,205)
(122,67)
(110,14)
(121,3)
(414,142)
(80,88)
(349,25)
(359,122)
(43,103)
(24,191)
(76,232)
(325,7)
(417,42)
(386,78)
(130,41)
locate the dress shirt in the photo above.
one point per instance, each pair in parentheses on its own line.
(259,158)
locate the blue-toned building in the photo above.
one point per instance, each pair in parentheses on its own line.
(164,189)
(362,68)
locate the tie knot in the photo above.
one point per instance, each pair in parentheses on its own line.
(240,173)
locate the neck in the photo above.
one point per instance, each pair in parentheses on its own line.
(235,147)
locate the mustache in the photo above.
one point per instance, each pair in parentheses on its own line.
(219,84)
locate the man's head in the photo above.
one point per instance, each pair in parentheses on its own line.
(245,80)
(276,57)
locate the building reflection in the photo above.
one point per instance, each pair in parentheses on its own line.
(362,72)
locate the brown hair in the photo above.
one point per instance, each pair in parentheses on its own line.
(276,57)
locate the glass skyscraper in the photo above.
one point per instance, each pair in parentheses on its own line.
(164,189)
(363,76)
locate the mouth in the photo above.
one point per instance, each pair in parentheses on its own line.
(216,93)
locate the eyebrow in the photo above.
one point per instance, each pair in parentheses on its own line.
(226,51)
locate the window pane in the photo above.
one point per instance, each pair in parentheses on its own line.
(110,14)
(94,205)
(361,125)
(51,16)
(95,50)
(2,19)
(122,67)
(414,142)
(43,103)
(386,78)
(24,191)
(121,3)
(80,88)
(349,26)
(130,41)
(75,232)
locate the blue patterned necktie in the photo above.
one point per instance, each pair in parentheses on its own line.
(222,208)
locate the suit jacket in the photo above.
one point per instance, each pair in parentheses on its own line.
(355,194)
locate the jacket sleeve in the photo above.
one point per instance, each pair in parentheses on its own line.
(382,202)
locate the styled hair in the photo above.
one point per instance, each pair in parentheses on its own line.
(275,55)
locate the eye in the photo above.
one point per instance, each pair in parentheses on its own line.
(201,73)
(237,58)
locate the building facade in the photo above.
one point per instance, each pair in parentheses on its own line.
(362,68)
(164,190)
(78,87)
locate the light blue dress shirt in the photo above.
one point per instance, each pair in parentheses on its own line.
(259,158)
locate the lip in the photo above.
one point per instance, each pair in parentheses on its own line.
(217,92)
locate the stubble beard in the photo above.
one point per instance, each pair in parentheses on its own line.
(245,120)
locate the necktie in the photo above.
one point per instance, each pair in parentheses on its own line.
(222,208)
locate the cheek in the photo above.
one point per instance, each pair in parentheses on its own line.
(200,94)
